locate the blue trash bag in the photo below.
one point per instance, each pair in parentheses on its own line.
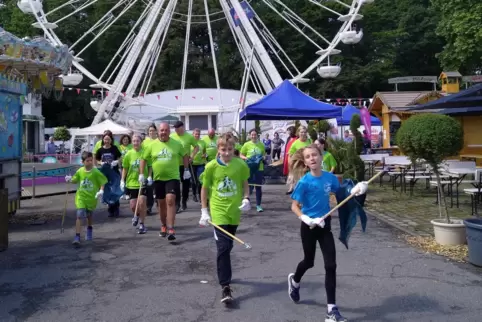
(348,213)
(112,190)
(253,165)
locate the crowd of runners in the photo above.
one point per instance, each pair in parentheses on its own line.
(162,168)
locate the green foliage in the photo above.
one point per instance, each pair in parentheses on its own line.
(460,25)
(431,137)
(62,134)
(297,125)
(243,137)
(339,149)
(355,124)
(257,126)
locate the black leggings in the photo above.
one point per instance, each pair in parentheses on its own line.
(183,193)
(277,154)
(324,237)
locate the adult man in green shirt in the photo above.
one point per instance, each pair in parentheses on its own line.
(211,141)
(187,141)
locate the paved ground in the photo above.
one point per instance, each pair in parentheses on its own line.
(122,276)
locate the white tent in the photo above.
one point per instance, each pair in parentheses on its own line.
(99,129)
(83,139)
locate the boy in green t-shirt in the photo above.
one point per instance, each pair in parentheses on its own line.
(225,179)
(90,188)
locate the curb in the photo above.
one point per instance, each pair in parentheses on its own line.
(49,194)
(393,224)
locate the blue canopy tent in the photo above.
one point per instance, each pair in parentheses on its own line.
(287,102)
(348,112)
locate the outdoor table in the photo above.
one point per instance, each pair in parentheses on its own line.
(460,175)
(371,160)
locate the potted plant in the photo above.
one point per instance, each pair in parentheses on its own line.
(434,137)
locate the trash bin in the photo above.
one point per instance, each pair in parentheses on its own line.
(473,228)
(3,219)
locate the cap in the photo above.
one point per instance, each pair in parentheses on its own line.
(178,124)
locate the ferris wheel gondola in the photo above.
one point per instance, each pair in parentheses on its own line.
(131,71)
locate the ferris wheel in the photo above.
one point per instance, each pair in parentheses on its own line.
(132,69)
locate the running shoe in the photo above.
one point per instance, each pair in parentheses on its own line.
(163,232)
(142,229)
(76,241)
(178,209)
(334,316)
(88,234)
(195,199)
(135,221)
(184,206)
(259,209)
(226,295)
(293,291)
(171,234)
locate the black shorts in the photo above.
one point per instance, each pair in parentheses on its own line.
(133,193)
(162,188)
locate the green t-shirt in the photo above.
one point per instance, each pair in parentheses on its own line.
(124,149)
(225,184)
(238,147)
(131,163)
(146,142)
(99,144)
(298,145)
(89,183)
(164,158)
(187,140)
(199,157)
(211,147)
(251,149)
(329,161)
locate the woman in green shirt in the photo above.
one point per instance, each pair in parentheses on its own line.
(125,144)
(328,162)
(302,141)
(254,149)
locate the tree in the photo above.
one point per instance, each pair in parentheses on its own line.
(460,24)
(355,124)
(315,128)
(257,126)
(62,134)
(431,137)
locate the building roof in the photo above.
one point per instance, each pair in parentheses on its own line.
(465,98)
(452,74)
(396,100)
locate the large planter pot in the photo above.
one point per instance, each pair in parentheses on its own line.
(449,234)
(474,240)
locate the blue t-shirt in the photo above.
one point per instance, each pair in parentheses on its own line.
(267,144)
(313,193)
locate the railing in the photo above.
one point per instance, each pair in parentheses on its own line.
(52,158)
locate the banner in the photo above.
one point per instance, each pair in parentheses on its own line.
(10,126)
(366,121)
(247,10)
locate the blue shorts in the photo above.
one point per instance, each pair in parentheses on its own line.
(83,213)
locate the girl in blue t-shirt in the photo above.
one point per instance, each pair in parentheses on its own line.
(311,201)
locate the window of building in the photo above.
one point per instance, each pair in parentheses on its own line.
(198,121)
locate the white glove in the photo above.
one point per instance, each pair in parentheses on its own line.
(149,181)
(187,175)
(122,184)
(68,178)
(319,222)
(307,220)
(99,194)
(205,218)
(114,163)
(245,205)
(141,179)
(360,188)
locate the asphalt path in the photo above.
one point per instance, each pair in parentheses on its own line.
(122,276)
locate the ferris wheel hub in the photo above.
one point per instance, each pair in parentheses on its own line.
(48,25)
(330,52)
(348,17)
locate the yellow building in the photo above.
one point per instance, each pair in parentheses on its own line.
(392,109)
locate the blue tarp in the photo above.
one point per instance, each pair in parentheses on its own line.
(112,190)
(471,94)
(287,102)
(348,112)
(348,213)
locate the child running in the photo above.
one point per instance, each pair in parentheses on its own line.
(225,179)
(130,183)
(90,188)
(311,201)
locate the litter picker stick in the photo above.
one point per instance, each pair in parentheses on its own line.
(65,210)
(248,246)
(348,198)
